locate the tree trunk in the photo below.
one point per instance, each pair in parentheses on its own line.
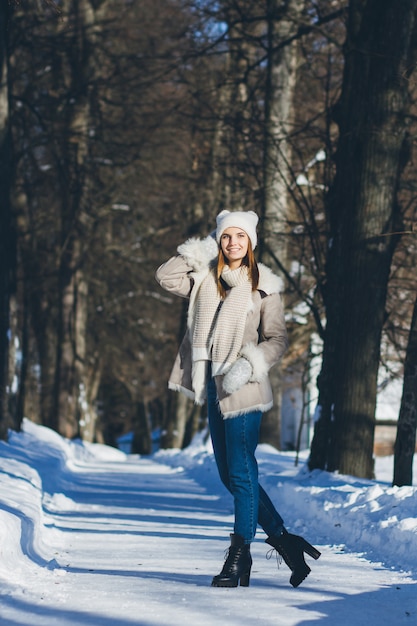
(141,442)
(363,214)
(7,230)
(405,443)
(70,383)
(281,76)
(174,430)
(89,388)
(229,184)
(71,393)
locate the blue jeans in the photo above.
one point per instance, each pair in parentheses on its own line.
(234,443)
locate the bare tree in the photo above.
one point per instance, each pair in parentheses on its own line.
(7,229)
(57,165)
(282,25)
(105,170)
(363,215)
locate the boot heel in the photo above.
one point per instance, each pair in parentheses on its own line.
(245,579)
(311,550)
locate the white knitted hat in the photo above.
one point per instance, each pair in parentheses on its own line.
(246,220)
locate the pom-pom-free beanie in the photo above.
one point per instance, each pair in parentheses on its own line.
(246,220)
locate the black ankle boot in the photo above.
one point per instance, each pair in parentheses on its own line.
(237,565)
(292,548)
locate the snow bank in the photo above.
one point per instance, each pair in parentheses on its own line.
(36,467)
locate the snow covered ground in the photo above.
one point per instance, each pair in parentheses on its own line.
(90,536)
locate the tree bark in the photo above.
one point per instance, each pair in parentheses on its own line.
(141,442)
(405,443)
(7,230)
(363,213)
(281,77)
(71,393)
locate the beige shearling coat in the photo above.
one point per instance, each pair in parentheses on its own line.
(265,336)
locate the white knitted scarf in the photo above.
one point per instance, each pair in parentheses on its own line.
(218,326)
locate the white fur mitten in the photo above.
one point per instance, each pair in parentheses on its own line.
(199,253)
(238,375)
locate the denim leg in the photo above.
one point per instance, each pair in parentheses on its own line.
(218,438)
(234,443)
(269,519)
(242,434)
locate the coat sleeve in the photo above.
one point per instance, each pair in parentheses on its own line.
(273,339)
(175,276)
(195,255)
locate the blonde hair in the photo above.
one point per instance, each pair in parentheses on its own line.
(250,262)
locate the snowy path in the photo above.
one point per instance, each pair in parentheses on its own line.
(116,542)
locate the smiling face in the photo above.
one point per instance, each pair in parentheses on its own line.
(234,244)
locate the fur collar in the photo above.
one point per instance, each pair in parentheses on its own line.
(268,281)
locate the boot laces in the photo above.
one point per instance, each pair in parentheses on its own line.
(278,557)
(230,553)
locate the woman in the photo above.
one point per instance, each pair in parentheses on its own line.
(235,334)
